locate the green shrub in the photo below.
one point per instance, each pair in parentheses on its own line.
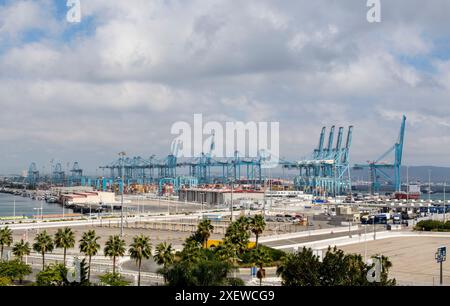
(114,280)
(5,281)
(52,275)
(275,255)
(432,226)
(14,270)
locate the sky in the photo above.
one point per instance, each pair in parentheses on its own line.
(120,78)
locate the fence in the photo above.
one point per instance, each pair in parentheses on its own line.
(190,225)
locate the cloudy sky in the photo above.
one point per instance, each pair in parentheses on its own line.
(122,76)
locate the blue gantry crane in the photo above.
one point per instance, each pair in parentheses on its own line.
(58,175)
(380,169)
(327,171)
(32,175)
(76,175)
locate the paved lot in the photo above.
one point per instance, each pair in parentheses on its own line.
(412,258)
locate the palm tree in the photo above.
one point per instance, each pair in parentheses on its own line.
(5,239)
(260,257)
(140,249)
(65,239)
(238,234)
(43,244)
(228,252)
(257,226)
(20,249)
(89,247)
(205,228)
(114,247)
(164,256)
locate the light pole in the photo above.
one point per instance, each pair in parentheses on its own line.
(121,156)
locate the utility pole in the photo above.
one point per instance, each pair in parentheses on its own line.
(121,156)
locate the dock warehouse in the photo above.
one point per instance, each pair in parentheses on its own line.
(217,196)
(88,198)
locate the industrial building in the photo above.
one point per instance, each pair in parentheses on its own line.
(95,198)
(218,196)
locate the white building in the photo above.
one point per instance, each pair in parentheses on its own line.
(96,197)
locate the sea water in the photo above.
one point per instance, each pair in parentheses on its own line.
(27,207)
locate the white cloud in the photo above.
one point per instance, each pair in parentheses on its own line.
(147,64)
(21,16)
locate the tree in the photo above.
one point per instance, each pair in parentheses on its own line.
(336,269)
(65,239)
(43,244)
(205,228)
(113,279)
(179,274)
(5,239)
(300,269)
(205,272)
(228,252)
(192,251)
(21,249)
(211,272)
(89,247)
(14,270)
(52,275)
(164,256)
(257,226)
(238,234)
(260,257)
(140,249)
(114,247)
